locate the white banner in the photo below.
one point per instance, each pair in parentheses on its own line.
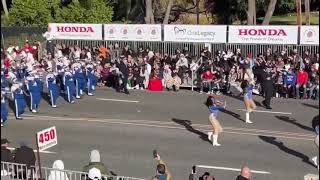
(195,33)
(309,35)
(75,31)
(47,138)
(263,34)
(132,32)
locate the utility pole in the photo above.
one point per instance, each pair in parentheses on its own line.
(298,5)
(197,10)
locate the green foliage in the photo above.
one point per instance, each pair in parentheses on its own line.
(284,7)
(96,11)
(30,12)
(42,12)
(5,21)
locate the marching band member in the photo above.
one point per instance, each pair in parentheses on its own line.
(18,97)
(60,70)
(4,109)
(91,79)
(214,106)
(68,82)
(53,89)
(34,87)
(248,99)
(79,78)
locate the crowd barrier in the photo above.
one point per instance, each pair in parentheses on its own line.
(194,48)
(23,172)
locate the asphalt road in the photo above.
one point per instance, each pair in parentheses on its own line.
(126,129)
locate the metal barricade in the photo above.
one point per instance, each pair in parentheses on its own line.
(21,171)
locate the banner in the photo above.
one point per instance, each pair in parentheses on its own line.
(195,33)
(132,32)
(309,35)
(263,34)
(74,31)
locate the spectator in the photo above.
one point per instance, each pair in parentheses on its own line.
(6,155)
(57,173)
(95,162)
(162,170)
(207,78)
(289,83)
(103,52)
(94,174)
(245,174)
(24,155)
(302,80)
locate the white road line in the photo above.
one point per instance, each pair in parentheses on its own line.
(233,130)
(231,169)
(46,152)
(117,100)
(271,112)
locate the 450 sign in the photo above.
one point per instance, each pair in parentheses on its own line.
(47,138)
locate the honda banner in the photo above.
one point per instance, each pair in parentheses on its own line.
(263,34)
(195,33)
(132,32)
(74,31)
(309,35)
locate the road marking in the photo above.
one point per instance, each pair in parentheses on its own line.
(231,169)
(46,152)
(173,123)
(271,112)
(309,138)
(118,100)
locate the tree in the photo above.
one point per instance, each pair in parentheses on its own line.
(167,16)
(251,13)
(5,7)
(149,18)
(30,12)
(307,11)
(269,12)
(94,11)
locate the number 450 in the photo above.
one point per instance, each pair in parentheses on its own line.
(46,136)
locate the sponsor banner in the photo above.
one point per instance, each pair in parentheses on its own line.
(132,32)
(195,33)
(309,35)
(263,34)
(75,31)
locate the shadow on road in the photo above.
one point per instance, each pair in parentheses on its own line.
(188,125)
(235,115)
(294,122)
(311,105)
(281,146)
(258,104)
(46,97)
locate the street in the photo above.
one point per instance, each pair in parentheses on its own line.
(127,128)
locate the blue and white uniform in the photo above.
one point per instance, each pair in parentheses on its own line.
(34,87)
(18,97)
(214,109)
(80,81)
(68,83)
(91,79)
(4,82)
(60,70)
(248,92)
(53,89)
(4,108)
(21,72)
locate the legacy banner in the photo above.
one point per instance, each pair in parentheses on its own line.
(75,31)
(309,35)
(263,34)
(132,32)
(195,33)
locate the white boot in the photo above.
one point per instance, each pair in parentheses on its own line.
(315,161)
(210,136)
(248,118)
(215,140)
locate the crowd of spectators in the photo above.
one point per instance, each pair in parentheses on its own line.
(94,170)
(295,76)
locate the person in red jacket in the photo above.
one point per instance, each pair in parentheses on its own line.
(302,81)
